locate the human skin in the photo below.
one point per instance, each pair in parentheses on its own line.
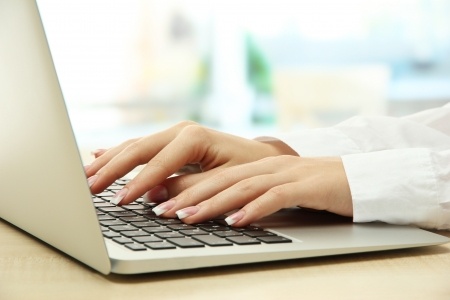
(220,173)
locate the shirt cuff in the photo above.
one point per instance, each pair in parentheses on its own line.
(395,186)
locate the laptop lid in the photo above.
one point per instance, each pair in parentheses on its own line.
(43,186)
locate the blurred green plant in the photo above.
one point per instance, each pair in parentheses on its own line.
(258,68)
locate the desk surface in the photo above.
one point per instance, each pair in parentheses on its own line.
(31,270)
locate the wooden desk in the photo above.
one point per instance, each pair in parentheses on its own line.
(31,270)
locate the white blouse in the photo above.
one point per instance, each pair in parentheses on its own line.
(398,168)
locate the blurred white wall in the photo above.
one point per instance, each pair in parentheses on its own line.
(129,67)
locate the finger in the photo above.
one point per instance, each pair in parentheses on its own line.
(235,197)
(102,158)
(244,186)
(119,161)
(173,186)
(190,146)
(229,189)
(276,198)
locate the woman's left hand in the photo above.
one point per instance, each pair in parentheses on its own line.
(258,189)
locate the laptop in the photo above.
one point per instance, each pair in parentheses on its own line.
(44,191)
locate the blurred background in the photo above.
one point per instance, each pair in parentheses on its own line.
(131,67)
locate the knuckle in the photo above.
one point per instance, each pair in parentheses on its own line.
(279,195)
(185,123)
(222,178)
(133,150)
(194,131)
(159,163)
(276,192)
(245,187)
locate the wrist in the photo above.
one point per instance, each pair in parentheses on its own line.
(277,146)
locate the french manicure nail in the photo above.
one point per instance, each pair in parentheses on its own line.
(235,217)
(187,212)
(163,207)
(119,196)
(92,180)
(156,195)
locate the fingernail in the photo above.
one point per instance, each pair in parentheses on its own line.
(86,167)
(187,212)
(235,217)
(119,196)
(156,195)
(163,207)
(92,180)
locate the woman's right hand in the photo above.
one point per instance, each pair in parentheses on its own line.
(186,146)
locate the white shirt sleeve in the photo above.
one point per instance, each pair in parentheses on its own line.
(398,168)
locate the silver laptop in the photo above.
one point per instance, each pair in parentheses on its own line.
(44,191)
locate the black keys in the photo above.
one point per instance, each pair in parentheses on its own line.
(137,227)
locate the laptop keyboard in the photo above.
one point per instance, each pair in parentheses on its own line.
(136,227)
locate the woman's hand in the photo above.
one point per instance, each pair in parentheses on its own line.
(179,148)
(258,189)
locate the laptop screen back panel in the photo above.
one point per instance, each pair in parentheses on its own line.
(43,189)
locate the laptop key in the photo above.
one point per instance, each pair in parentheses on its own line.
(214,227)
(243,240)
(105,217)
(110,209)
(112,223)
(167,221)
(172,234)
(258,233)
(136,247)
(147,239)
(122,228)
(111,234)
(134,206)
(181,227)
(147,223)
(119,214)
(192,232)
(160,246)
(227,233)
(156,229)
(122,240)
(185,242)
(212,240)
(274,239)
(135,233)
(133,219)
